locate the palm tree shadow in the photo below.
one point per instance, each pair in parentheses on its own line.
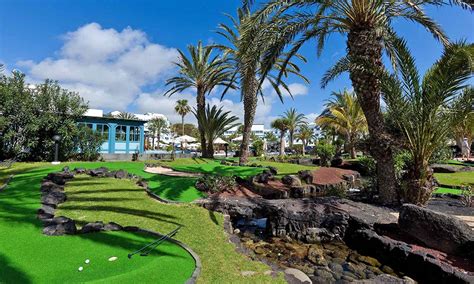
(11,274)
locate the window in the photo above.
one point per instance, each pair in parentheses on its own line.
(134,134)
(121,133)
(103,130)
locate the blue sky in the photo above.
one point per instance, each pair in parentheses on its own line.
(87,45)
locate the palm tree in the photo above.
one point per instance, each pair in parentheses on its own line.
(126,115)
(344,114)
(157,126)
(215,122)
(295,120)
(281,124)
(305,134)
(202,72)
(182,108)
(369,30)
(465,126)
(247,45)
(427,109)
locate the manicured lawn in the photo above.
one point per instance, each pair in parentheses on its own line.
(448,190)
(455,179)
(214,166)
(28,256)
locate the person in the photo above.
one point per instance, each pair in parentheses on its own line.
(466,149)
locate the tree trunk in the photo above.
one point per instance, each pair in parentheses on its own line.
(418,184)
(210,149)
(291,139)
(282,143)
(249,90)
(201,109)
(182,124)
(365,48)
(153,142)
(303,152)
(159,137)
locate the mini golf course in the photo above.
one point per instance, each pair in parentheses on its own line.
(27,256)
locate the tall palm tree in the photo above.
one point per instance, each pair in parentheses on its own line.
(157,126)
(182,108)
(344,114)
(247,45)
(216,122)
(295,120)
(305,134)
(281,124)
(203,72)
(369,30)
(126,115)
(465,126)
(427,109)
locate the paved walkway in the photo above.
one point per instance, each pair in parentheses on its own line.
(170,172)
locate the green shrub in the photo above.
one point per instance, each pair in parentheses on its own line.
(440,155)
(298,148)
(215,183)
(336,190)
(326,152)
(257,145)
(88,144)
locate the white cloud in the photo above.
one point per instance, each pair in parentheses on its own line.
(107,67)
(310,117)
(296,89)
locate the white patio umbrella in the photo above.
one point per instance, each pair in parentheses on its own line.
(185,139)
(219,141)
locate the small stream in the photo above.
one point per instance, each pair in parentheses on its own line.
(332,262)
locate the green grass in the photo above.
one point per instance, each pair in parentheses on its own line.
(457,163)
(28,256)
(214,167)
(448,190)
(455,179)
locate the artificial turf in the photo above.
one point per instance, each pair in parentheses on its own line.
(27,256)
(448,190)
(457,179)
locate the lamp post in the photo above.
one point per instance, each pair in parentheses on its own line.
(56,139)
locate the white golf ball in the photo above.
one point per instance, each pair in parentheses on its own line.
(87,261)
(113,258)
(81,268)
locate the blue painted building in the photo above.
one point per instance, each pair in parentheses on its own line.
(122,136)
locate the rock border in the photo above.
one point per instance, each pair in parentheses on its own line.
(53,194)
(5,184)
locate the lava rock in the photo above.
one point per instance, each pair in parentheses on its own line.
(112,227)
(80,171)
(441,168)
(99,172)
(385,278)
(142,183)
(49,186)
(66,169)
(316,255)
(273,170)
(298,275)
(130,229)
(46,212)
(291,180)
(263,177)
(92,227)
(436,230)
(306,176)
(60,226)
(60,178)
(53,198)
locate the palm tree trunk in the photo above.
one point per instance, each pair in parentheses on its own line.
(282,143)
(159,137)
(249,90)
(153,142)
(291,139)
(303,148)
(182,124)
(201,109)
(210,149)
(364,47)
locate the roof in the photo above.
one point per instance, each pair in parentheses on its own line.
(111,119)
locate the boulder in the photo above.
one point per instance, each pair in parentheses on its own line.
(436,230)
(80,171)
(306,176)
(46,212)
(442,168)
(59,226)
(304,191)
(112,227)
(142,183)
(299,275)
(386,278)
(53,198)
(110,174)
(66,169)
(263,177)
(60,178)
(273,170)
(99,172)
(291,180)
(92,227)
(49,186)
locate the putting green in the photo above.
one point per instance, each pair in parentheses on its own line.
(27,256)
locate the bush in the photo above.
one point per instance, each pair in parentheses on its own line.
(88,144)
(298,149)
(215,183)
(336,190)
(325,151)
(402,160)
(257,145)
(367,166)
(440,155)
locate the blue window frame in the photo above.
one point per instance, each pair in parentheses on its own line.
(121,133)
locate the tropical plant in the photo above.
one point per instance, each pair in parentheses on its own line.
(427,109)
(295,120)
(258,146)
(189,129)
(368,25)
(305,134)
(215,122)
(157,126)
(247,45)
(88,144)
(270,137)
(281,124)
(126,115)
(326,152)
(182,108)
(465,126)
(344,114)
(203,72)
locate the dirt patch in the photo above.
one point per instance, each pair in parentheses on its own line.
(325,175)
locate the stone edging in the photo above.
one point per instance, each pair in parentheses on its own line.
(52,188)
(5,184)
